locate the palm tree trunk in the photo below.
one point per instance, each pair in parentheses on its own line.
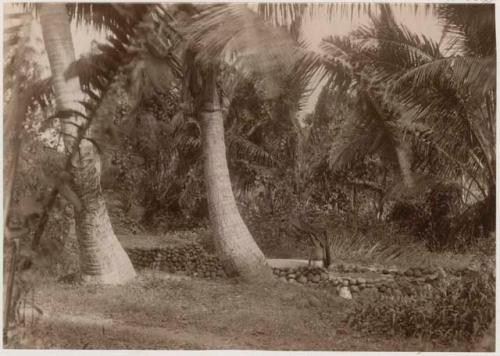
(237,249)
(13,120)
(12,144)
(402,152)
(102,258)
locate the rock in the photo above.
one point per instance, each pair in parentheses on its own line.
(431,277)
(397,293)
(354,289)
(291,276)
(385,271)
(302,279)
(313,301)
(324,276)
(345,282)
(361,280)
(382,289)
(370,293)
(441,273)
(417,273)
(283,279)
(316,278)
(345,293)
(408,273)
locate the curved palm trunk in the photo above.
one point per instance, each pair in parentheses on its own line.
(102,258)
(236,247)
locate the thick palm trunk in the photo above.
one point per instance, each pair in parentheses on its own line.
(235,245)
(102,258)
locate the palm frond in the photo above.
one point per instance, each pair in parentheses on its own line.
(237,34)
(239,147)
(471,26)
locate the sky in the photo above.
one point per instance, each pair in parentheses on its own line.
(313,29)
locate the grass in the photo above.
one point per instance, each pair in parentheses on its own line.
(159,313)
(154,313)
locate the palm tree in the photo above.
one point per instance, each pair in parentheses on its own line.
(211,35)
(17,106)
(102,258)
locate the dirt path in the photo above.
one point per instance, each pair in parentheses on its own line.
(94,332)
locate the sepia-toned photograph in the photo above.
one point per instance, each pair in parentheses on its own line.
(249,176)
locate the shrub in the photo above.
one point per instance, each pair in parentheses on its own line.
(461,309)
(430,217)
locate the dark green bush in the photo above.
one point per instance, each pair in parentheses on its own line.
(431,217)
(462,309)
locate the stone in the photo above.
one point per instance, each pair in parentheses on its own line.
(302,279)
(397,293)
(345,293)
(324,276)
(354,289)
(370,293)
(291,276)
(382,289)
(441,273)
(361,280)
(431,277)
(345,282)
(316,278)
(283,279)
(408,273)
(313,301)
(417,272)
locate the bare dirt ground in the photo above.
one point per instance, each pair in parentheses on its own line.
(162,312)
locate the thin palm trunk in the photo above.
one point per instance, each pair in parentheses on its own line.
(102,258)
(15,115)
(12,144)
(402,152)
(237,249)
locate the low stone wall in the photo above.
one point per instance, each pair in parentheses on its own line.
(190,259)
(385,281)
(348,280)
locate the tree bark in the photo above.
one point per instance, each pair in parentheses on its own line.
(237,249)
(402,150)
(102,258)
(12,126)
